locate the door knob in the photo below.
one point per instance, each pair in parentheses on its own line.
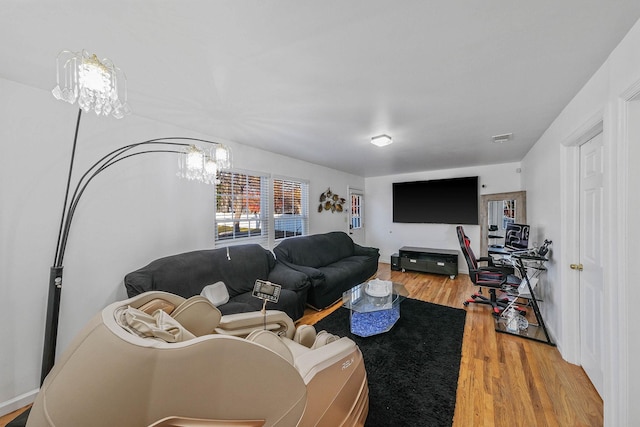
(578,267)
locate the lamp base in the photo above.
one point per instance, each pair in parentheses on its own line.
(51,326)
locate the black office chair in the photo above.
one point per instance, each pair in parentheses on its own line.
(491,276)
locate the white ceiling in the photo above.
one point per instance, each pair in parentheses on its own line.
(315,80)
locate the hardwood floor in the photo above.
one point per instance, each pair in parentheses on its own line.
(6,419)
(504,380)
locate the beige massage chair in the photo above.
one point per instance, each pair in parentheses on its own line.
(160,360)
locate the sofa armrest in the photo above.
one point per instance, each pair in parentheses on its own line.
(315,276)
(242,324)
(366,251)
(289,278)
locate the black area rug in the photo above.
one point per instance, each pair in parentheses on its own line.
(412,369)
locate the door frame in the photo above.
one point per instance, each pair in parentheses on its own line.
(613,121)
(620,401)
(352,190)
(569,229)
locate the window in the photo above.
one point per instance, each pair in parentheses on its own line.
(290,208)
(243,206)
(242,209)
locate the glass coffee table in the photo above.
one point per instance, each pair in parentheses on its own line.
(374,306)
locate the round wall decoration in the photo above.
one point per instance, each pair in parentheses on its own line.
(329,201)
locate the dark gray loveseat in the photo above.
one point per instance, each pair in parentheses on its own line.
(188,273)
(333,262)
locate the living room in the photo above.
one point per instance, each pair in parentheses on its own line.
(140,211)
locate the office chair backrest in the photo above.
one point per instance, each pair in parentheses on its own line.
(465,246)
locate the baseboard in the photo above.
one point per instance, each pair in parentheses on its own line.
(18,402)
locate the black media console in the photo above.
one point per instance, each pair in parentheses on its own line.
(426,260)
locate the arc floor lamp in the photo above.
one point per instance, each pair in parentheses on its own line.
(99,86)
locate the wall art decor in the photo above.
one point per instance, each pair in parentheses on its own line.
(329,201)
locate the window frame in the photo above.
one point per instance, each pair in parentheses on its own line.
(302,217)
(267,218)
(262,220)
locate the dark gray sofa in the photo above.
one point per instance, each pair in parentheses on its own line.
(188,273)
(333,262)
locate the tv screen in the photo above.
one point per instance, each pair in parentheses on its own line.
(441,201)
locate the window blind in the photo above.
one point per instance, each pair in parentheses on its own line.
(290,207)
(242,209)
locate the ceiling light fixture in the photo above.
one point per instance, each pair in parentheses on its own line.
(381,140)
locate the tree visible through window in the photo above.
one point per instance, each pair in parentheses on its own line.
(291,207)
(241,208)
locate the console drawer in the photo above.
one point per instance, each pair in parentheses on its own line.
(442,267)
(414,264)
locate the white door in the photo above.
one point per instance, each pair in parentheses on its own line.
(590,264)
(356,216)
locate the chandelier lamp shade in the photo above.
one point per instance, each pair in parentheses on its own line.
(202,164)
(95,84)
(100,86)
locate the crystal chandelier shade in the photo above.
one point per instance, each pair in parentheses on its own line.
(198,164)
(97,85)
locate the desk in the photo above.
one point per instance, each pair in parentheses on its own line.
(530,267)
(498,250)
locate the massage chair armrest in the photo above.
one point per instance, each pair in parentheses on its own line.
(242,324)
(311,362)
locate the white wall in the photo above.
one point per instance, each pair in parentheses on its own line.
(383,233)
(130,215)
(548,171)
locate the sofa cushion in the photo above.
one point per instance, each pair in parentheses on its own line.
(316,250)
(288,303)
(332,262)
(246,264)
(340,277)
(188,273)
(237,267)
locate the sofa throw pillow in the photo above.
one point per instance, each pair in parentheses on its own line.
(217,293)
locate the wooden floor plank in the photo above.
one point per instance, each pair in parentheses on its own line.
(504,380)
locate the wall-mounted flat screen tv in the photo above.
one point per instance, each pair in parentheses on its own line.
(438,201)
